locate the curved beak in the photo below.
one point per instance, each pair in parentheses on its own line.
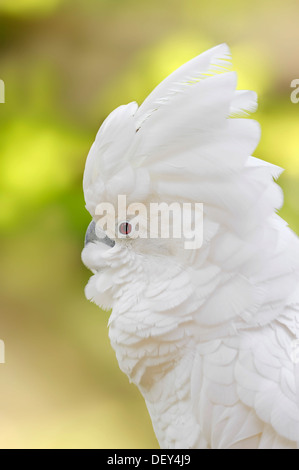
(91,236)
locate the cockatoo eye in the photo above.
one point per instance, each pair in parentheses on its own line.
(125,229)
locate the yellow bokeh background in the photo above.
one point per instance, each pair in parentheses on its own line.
(66,65)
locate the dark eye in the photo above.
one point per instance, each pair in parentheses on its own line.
(125,228)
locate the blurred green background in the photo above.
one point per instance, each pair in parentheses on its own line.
(66,65)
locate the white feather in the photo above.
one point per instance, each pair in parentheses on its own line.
(206,336)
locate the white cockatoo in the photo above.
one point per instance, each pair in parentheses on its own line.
(209,335)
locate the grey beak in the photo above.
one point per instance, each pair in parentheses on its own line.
(91,236)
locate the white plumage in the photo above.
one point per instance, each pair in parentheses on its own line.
(207,335)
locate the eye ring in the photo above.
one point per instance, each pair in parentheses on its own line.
(125,229)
